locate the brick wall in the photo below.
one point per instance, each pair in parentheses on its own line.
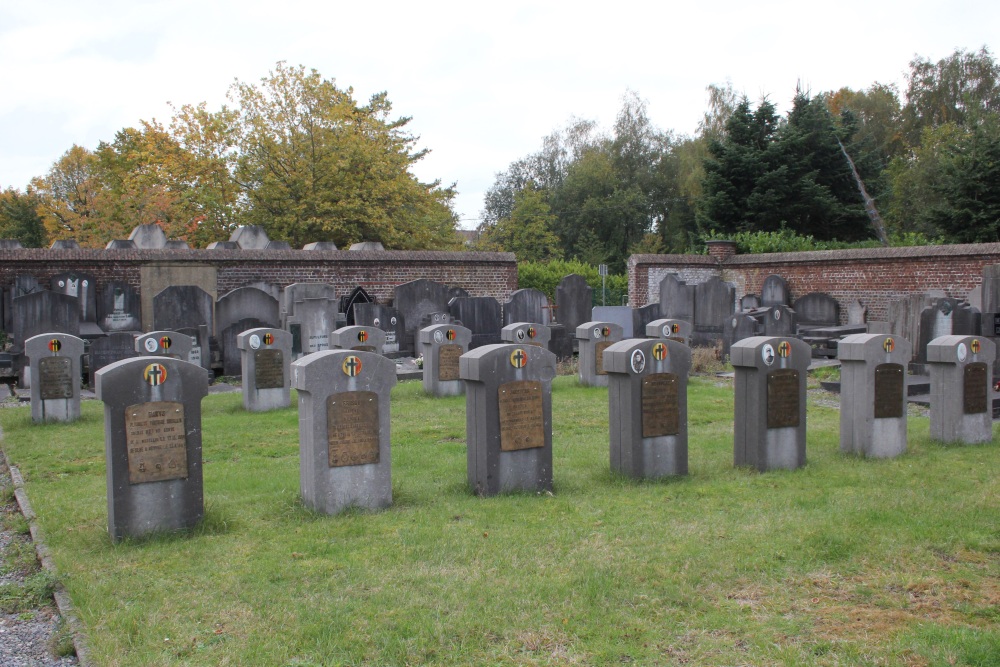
(874,276)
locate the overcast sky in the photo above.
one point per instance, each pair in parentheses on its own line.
(483,82)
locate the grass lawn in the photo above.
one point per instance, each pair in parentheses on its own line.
(844,562)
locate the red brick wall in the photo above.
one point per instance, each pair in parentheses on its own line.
(874,276)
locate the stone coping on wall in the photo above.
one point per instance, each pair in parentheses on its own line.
(231,255)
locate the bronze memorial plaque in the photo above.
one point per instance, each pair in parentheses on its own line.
(783,398)
(660,409)
(155,437)
(448,362)
(889,391)
(352,428)
(975,398)
(522,421)
(269,369)
(55,378)
(599,356)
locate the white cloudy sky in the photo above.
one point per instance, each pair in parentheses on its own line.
(484,82)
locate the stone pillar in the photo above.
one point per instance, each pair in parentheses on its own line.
(873,394)
(961,369)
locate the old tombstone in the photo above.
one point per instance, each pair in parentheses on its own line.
(678,330)
(961,370)
(81,286)
(857,313)
(593,338)
(23,284)
(200,350)
(310,324)
(414,300)
(119,308)
(44,312)
(508,408)
(574,299)
(55,369)
(647,400)
(344,450)
(481,315)
(714,305)
(816,309)
(642,316)
(232,356)
(777,320)
(946,317)
(441,345)
(266,358)
(526,333)
(904,320)
(357,296)
(152,444)
(186,306)
(527,305)
(246,303)
(165,344)
(361,339)
(774,292)
(623,316)
(300,292)
(382,317)
(991,307)
(739,326)
(770,402)
(676,299)
(873,394)
(106,350)
(749,302)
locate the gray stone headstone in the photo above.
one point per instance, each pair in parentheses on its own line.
(414,300)
(527,305)
(593,339)
(676,299)
(266,358)
(647,399)
(81,286)
(106,350)
(361,339)
(873,394)
(961,370)
(946,317)
(770,402)
(526,333)
(232,356)
(643,316)
(904,320)
(508,411)
(311,324)
(749,302)
(345,457)
(975,298)
(245,303)
(623,316)
(119,308)
(200,350)
(297,292)
(165,343)
(441,346)
(55,369)
(574,299)
(714,305)
(740,326)
(991,307)
(678,330)
(481,315)
(250,237)
(857,313)
(382,317)
(348,302)
(148,237)
(44,312)
(152,444)
(774,292)
(180,306)
(777,320)
(817,309)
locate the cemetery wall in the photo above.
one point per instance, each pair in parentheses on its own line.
(481,274)
(874,276)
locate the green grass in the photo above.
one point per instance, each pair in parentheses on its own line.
(844,562)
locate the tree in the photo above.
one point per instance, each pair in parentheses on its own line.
(527,232)
(69,194)
(19,218)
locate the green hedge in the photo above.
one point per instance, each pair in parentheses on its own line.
(545,277)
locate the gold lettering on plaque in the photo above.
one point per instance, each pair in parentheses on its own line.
(599,356)
(660,407)
(55,378)
(783,398)
(269,369)
(974,395)
(889,389)
(352,428)
(522,421)
(448,362)
(156,442)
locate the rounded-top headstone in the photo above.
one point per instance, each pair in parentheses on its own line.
(594,338)
(55,376)
(961,369)
(360,338)
(526,333)
(670,329)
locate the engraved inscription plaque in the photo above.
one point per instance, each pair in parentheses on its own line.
(269,369)
(783,398)
(974,396)
(599,356)
(660,409)
(521,415)
(448,362)
(55,378)
(352,428)
(157,446)
(889,383)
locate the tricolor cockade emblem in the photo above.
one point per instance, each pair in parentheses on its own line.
(450,335)
(518,358)
(268,338)
(154,375)
(362,336)
(165,342)
(352,366)
(55,345)
(974,346)
(659,351)
(784,349)
(531,332)
(889,345)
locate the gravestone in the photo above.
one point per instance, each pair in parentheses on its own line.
(777,320)
(739,326)
(574,299)
(44,312)
(266,358)
(347,303)
(593,338)
(55,376)
(441,346)
(344,457)
(414,300)
(148,237)
(714,305)
(642,316)
(676,299)
(623,316)
(361,339)
(991,307)
(904,321)
(774,292)
(961,370)
(106,350)
(186,307)
(232,356)
(119,308)
(508,412)
(526,333)
(81,286)
(246,303)
(678,330)
(857,313)
(873,394)
(946,317)
(173,344)
(300,292)
(770,402)
(560,341)
(381,317)
(200,351)
(749,302)
(816,309)
(310,323)
(527,305)
(152,444)
(481,315)
(647,400)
